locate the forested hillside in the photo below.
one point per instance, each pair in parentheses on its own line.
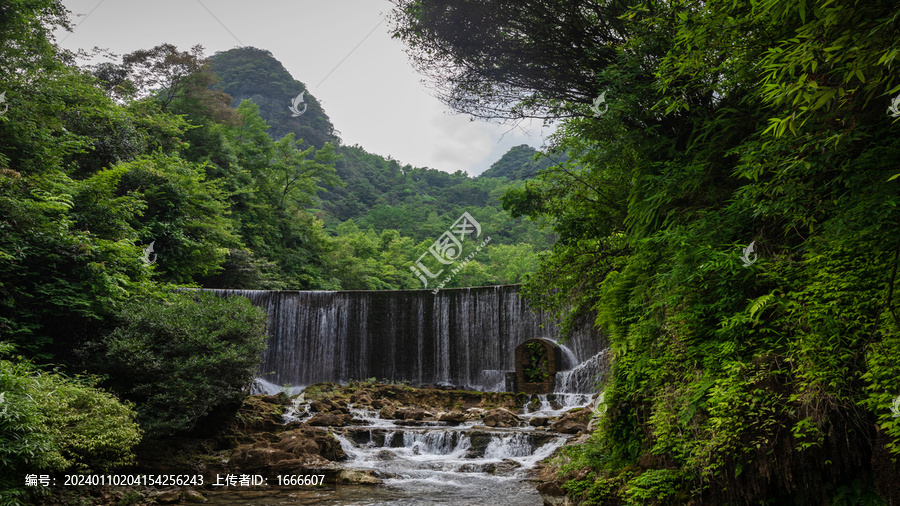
(123,180)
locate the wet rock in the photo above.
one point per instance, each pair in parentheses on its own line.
(320,406)
(328,420)
(505,467)
(279,399)
(387,412)
(378,403)
(293,444)
(165,496)
(308,464)
(366,477)
(359,436)
(451,417)
(552,494)
(385,455)
(538,421)
(478,443)
(298,443)
(475,413)
(361,398)
(410,414)
(329,406)
(572,422)
(256,458)
(501,418)
(192,496)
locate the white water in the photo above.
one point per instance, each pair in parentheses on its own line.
(583,378)
(463,337)
(467,464)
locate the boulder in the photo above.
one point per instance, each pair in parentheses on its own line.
(328,420)
(328,406)
(475,413)
(552,494)
(451,417)
(410,414)
(572,422)
(501,418)
(308,464)
(298,443)
(311,441)
(538,421)
(387,412)
(363,476)
(505,467)
(192,496)
(362,398)
(165,496)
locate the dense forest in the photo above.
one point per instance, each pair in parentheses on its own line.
(731,222)
(726,125)
(125,180)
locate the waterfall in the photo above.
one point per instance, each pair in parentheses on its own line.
(463,337)
(584,377)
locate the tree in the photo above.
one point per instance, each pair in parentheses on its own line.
(299,176)
(182,357)
(163,71)
(512,60)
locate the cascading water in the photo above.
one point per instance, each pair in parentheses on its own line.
(459,465)
(584,377)
(464,337)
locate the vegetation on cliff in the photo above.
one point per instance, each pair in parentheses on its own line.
(723,125)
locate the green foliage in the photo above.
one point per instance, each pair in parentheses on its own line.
(729,123)
(52,423)
(181,357)
(535,367)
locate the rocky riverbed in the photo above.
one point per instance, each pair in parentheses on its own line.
(365,443)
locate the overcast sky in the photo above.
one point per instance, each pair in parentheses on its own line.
(374,98)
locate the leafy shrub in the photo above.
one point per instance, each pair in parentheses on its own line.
(179,358)
(535,368)
(52,423)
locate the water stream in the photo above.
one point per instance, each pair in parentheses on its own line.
(463,337)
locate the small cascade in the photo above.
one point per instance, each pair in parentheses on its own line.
(437,442)
(511,446)
(583,378)
(570,361)
(263,387)
(465,463)
(298,411)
